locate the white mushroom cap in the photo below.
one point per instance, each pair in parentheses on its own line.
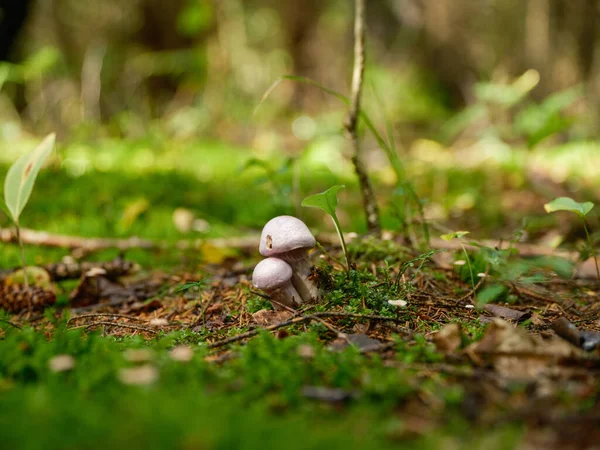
(283,234)
(271,274)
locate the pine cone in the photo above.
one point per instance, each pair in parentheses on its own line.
(14,298)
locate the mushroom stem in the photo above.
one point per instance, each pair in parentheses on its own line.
(286,295)
(301,267)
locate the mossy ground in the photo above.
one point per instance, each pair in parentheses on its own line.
(259,392)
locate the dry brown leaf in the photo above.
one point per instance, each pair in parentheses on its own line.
(449,338)
(516,354)
(266,317)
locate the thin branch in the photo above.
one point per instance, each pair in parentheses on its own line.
(115,324)
(296,320)
(114,316)
(351,120)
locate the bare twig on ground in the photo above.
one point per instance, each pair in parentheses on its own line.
(117,325)
(246,243)
(111,315)
(351,119)
(296,320)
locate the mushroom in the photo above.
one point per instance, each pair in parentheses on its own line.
(273,275)
(288,238)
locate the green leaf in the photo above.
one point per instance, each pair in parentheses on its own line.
(327,201)
(568,204)
(456,234)
(21,177)
(489,294)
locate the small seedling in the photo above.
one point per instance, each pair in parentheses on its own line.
(458,235)
(200,284)
(18,186)
(327,201)
(582,210)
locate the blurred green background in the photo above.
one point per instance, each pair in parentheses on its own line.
(157,107)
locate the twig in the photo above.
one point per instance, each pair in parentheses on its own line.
(114,316)
(18,327)
(246,243)
(351,119)
(475,288)
(115,324)
(297,320)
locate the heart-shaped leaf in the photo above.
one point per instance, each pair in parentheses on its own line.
(327,201)
(456,234)
(21,177)
(568,204)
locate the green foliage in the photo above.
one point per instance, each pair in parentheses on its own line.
(455,235)
(568,204)
(539,121)
(328,202)
(198,285)
(581,209)
(21,176)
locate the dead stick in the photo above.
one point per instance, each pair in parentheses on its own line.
(115,324)
(114,316)
(33,237)
(294,321)
(351,119)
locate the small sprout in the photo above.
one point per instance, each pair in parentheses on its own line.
(18,186)
(274,275)
(327,201)
(459,235)
(582,210)
(138,355)
(289,239)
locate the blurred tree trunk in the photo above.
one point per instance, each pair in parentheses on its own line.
(14,14)
(300,19)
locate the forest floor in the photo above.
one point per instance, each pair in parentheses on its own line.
(420,344)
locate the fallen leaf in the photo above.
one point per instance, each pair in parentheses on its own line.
(449,338)
(362,341)
(182,353)
(61,363)
(516,354)
(506,313)
(267,317)
(327,394)
(138,355)
(159,322)
(141,375)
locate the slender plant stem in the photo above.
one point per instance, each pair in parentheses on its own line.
(469,265)
(342,240)
(329,255)
(351,120)
(589,240)
(22,257)
(25,278)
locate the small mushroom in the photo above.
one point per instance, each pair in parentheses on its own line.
(288,238)
(273,276)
